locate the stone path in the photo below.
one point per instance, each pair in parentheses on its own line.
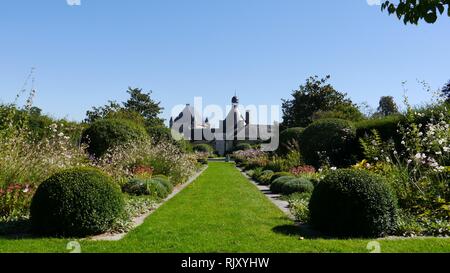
(274,198)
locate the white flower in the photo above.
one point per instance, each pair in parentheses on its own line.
(333,168)
(376,159)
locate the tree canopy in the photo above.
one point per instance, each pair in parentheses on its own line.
(140,107)
(387,106)
(314,97)
(446,92)
(413,11)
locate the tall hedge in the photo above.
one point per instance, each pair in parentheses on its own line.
(329,139)
(107,133)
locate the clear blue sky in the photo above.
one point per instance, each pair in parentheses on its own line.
(88,54)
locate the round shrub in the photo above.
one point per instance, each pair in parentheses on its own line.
(277,184)
(330,139)
(107,133)
(242,147)
(152,187)
(76,202)
(290,139)
(203,148)
(353,203)
(300,185)
(280,174)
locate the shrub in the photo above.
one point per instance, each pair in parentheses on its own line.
(289,140)
(76,202)
(353,203)
(151,187)
(300,185)
(328,141)
(264,177)
(108,133)
(15,202)
(242,147)
(280,174)
(203,148)
(166,183)
(277,184)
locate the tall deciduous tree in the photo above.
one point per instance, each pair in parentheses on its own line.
(315,96)
(387,106)
(412,11)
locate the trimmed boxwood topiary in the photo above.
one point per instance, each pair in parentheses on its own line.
(107,133)
(335,139)
(280,174)
(353,203)
(300,185)
(277,184)
(76,202)
(289,138)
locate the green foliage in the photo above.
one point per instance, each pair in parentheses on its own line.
(153,187)
(316,95)
(446,92)
(328,141)
(387,107)
(344,111)
(299,206)
(203,148)
(353,203)
(280,174)
(277,184)
(105,134)
(289,140)
(242,147)
(412,11)
(76,202)
(300,185)
(264,177)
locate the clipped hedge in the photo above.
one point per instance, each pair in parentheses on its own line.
(353,203)
(280,174)
(289,137)
(76,202)
(277,184)
(334,139)
(297,185)
(107,133)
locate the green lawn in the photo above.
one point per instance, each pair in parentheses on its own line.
(221,212)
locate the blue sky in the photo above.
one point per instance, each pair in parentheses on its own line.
(89,54)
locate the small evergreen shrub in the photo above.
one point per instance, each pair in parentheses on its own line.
(297,185)
(165,182)
(76,202)
(280,174)
(353,203)
(329,141)
(277,184)
(107,133)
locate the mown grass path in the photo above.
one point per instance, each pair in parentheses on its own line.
(221,212)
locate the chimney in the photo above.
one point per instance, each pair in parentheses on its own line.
(247,117)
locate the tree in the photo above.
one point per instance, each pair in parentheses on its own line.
(315,96)
(387,106)
(140,107)
(412,11)
(446,92)
(143,104)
